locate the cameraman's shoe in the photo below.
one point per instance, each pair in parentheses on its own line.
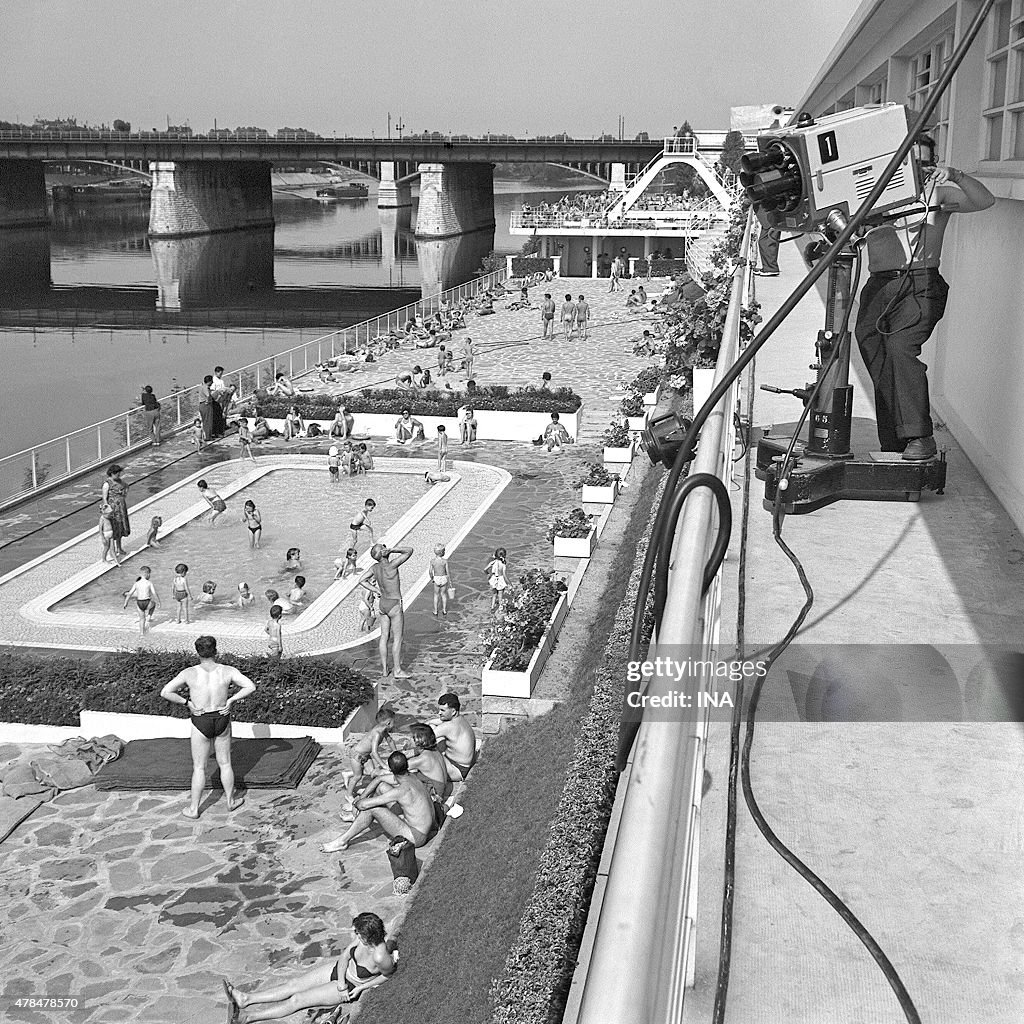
(766,273)
(920,449)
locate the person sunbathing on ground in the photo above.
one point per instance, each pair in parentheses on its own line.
(430,341)
(420,818)
(366,963)
(405,380)
(427,763)
(455,737)
(281,386)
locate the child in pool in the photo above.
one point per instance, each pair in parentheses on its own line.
(154,529)
(106,528)
(367,611)
(292,560)
(496,569)
(246,598)
(347,565)
(348,459)
(213,499)
(361,521)
(252,518)
(442,579)
(334,464)
(297,595)
(180,591)
(282,602)
(365,458)
(145,597)
(209,589)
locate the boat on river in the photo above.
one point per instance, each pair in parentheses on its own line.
(119,190)
(345,190)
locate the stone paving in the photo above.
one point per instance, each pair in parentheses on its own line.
(119,898)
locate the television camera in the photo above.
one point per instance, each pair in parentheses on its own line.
(812,177)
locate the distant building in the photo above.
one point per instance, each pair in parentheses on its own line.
(757,117)
(180,129)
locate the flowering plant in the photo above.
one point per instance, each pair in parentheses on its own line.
(529,603)
(646,381)
(595,476)
(632,405)
(616,436)
(576,524)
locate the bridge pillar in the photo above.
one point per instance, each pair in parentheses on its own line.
(455,199)
(391,195)
(22,194)
(618,178)
(198,197)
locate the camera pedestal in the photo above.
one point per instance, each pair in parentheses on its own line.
(824,468)
(815,481)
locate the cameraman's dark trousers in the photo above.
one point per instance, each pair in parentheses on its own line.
(898,312)
(768,249)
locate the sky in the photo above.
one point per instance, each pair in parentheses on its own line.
(460,66)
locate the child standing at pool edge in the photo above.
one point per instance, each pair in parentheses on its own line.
(440,574)
(106,528)
(180,591)
(496,570)
(442,447)
(275,642)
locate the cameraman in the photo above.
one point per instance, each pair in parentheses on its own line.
(900,304)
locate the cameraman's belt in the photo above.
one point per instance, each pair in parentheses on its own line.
(891,275)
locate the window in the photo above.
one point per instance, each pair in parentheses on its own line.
(876,92)
(1003,111)
(925,69)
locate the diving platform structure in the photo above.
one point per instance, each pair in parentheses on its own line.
(624,228)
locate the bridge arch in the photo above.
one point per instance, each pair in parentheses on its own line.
(105,163)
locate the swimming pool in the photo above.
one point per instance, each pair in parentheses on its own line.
(69,598)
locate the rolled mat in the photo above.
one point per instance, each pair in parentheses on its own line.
(167,764)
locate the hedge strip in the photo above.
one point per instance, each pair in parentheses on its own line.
(314,692)
(540,964)
(391,401)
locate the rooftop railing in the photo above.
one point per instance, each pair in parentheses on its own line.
(51,463)
(641,926)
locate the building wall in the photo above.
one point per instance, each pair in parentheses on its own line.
(976,355)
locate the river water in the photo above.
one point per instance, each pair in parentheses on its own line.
(91,309)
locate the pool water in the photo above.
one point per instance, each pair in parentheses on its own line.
(299,507)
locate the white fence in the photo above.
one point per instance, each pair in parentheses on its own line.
(53,462)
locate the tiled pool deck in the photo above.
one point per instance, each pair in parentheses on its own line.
(115,896)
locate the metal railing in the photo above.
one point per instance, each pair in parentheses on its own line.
(703,219)
(53,462)
(642,920)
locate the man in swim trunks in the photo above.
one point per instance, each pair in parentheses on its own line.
(209,705)
(382,578)
(459,740)
(421,816)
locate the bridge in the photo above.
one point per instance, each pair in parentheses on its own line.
(210,183)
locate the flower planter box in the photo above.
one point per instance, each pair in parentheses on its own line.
(703,384)
(498,683)
(651,399)
(575,547)
(636,423)
(601,495)
(619,456)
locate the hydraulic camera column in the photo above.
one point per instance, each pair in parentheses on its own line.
(824,468)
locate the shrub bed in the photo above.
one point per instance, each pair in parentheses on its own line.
(315,692)
(525,265)
(540,964)
(529,603)
(424,403)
